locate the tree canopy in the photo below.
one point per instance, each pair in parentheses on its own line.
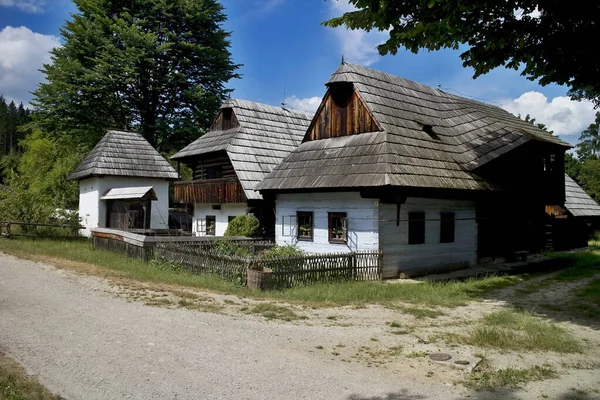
(550,40)
(156,66)
(589,141)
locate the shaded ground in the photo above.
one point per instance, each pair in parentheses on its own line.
(92,338)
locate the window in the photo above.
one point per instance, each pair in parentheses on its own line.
(227,114)
(338,228)
(211,224)
(305,225)
(447,227)
(230,218)
(416,227)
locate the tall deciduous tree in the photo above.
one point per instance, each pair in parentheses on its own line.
(157,66)
(548,39)
(589,141)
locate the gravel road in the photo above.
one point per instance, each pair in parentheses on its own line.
(85,343)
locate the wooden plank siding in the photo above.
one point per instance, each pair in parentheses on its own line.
(203,165)
(225,120)
(341,113)
(215,191)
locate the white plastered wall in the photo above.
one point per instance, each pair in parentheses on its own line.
(221,216)
(92,210)
(363,232)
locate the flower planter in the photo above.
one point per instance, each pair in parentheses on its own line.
(259,279)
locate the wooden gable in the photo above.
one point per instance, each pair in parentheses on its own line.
(225,120)
(342,113)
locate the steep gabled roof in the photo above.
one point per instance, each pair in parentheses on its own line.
(265,135)
(429,139)
(121,153)
(578,202)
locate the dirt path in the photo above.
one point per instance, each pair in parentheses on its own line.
(88,338)
(85,343)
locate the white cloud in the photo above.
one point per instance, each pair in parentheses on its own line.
(305,104)
(22,54)
(357,46)
(561,114)
(32,6)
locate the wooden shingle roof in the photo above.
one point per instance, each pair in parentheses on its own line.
(578,202)
(466,135)
(265,135)
(121,153)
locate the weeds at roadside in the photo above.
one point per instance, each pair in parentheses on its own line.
(273,311)
(422,312)
(378,355)
(515,330)
(158,302)
(485,377)
(15,384)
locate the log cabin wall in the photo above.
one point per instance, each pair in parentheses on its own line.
(213,166)
(341,113)
(534,171)
(225,120)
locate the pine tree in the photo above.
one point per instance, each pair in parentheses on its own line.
(3,126)
(157,66)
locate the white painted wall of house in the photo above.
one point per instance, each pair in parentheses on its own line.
(361,214)
(221,216)
(399,255)
(372,226)
(92,210)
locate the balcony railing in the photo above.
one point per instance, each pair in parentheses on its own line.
(215,191)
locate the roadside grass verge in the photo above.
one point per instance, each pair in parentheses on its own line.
(274,311)
(589,300)
(586,264)
(15,384)
(518,330)
(81,256)
(485,377)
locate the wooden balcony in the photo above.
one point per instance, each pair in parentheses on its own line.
(212,191)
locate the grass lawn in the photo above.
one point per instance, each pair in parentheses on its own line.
(521,330)
(81,256)
(15,384)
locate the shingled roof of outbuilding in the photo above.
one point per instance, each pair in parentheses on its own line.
(121,153)
(466,134)
(578,202)
(265,135)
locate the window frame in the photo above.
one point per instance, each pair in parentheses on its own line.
(305,214)
(412,226)
(207,225)
(344,218)
(447,217)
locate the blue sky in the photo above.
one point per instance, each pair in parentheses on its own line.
(286,53)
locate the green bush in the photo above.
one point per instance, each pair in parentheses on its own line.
(244,225)
(289,250)
(230,248)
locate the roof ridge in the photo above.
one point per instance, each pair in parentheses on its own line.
(235,101)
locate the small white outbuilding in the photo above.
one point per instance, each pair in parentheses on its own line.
(124,184)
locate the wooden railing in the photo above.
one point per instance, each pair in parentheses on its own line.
(217,191)
(37,230)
